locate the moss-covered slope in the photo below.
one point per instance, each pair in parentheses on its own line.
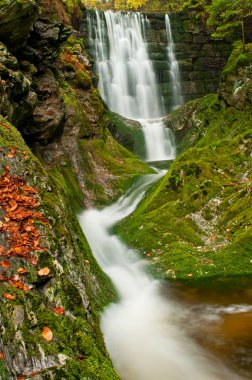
(197,221)
(75,283)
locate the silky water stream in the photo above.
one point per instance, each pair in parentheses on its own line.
(156,331)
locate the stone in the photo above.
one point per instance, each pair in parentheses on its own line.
(16,20)
(18,316)
(48,114)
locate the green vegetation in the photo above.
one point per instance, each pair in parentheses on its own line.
(227,15)
(196,222)
(197,219)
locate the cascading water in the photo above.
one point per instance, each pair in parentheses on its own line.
(127,80)
(173,67)
(145,333)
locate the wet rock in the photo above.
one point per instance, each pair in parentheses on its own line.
(44,41)
(236,90)
(16,20)
(48,115)
(17,100)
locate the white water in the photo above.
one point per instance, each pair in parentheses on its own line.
(127,80)
(173,67)
(145,334)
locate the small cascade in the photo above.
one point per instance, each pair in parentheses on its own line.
(127,80)
(173,67)
(155,132)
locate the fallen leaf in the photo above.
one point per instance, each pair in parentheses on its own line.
(10,155)
(22,270)
(5,264)
(9,296)
(21,377)
(1,355)
(24,152)
(47,334)
(59,310)
(26,288)
(44,271)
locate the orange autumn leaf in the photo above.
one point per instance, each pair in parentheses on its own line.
(21,377)
(10,155)
(1,355)
(26,288)
(9,296)
(5,264)
(59,310)
(29,189)
(22,270)
(44,271)
(47,334)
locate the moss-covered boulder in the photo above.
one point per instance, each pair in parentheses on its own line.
(66,296)
(236,84)
(16,19)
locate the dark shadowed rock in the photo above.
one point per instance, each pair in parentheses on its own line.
(16,19)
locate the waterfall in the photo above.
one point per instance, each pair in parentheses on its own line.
(127,79)
(173,67)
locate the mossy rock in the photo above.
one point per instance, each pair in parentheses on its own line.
(75,282)
(16,19)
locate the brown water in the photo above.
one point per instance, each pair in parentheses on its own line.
(219,318)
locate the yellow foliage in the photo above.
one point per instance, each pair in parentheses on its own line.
(143,5)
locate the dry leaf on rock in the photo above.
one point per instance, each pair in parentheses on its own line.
(9,296)
(5,264)
(59,310)
(44,271)
(47,334)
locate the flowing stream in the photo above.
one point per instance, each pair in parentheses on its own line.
(146,333)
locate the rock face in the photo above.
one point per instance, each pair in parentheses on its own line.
(200,57)
(236,84)
(16,19)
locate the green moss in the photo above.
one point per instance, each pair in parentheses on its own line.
(196,217)
(237,58)
(109,168)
